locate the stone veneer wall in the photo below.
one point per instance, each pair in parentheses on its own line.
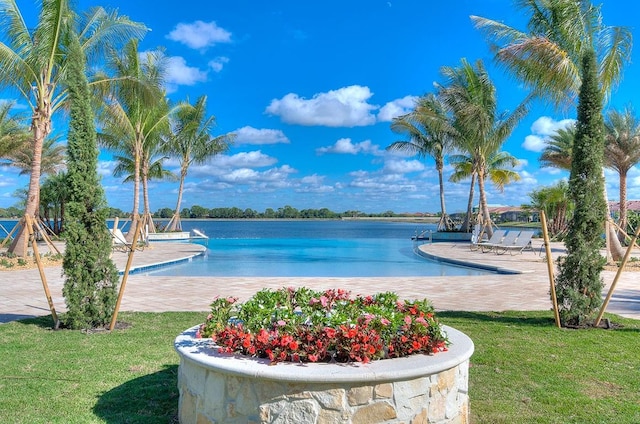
(237,393)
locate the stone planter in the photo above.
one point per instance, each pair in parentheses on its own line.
(221,388)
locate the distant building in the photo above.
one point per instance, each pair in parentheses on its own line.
(632,205)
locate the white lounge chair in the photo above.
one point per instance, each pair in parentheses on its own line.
(522,243)
(495,239)
(506,243)
(477,236)
(120,242)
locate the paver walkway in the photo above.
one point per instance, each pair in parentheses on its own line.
(22,295)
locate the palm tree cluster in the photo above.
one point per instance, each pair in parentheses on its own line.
(461,120)
(134,114)
(547,57)
(621,152)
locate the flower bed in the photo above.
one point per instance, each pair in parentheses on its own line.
(219,383)
(301,325)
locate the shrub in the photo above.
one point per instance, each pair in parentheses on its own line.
(302,325)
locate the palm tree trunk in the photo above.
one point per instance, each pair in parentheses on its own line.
(444,219)
(135,216)
(623,204)
(484,207)
(41,125)
(615,248)
(467,220)
(176,225)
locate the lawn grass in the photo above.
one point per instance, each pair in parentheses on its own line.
(524,370)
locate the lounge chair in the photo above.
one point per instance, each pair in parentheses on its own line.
(477,236)
(507,242)
(495,239)
(120,243)
(522,243)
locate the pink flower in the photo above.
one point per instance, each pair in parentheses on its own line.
(385,321)
(407,320)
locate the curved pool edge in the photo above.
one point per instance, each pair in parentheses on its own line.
(162,264)
(468,264)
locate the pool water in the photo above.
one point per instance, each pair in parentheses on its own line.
(310,249)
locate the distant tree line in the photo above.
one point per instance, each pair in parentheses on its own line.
(196,211)
(286,212)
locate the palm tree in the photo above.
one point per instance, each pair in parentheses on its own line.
(150,169)
(548,58)
(559,149)
(499,172)
(191,141)
(622,151)
(429,134)
(135,111)
(53,197)
(13,134)
(463,169)
(33,61)
(556,204)
(470,95)
(52,158)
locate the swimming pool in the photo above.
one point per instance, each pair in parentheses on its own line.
(310,249)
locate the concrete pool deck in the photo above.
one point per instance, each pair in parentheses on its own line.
(22,294)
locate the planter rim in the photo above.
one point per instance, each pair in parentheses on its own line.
(202,352)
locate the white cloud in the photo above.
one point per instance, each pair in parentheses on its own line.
(543,128)
(255,159)
(548,126)
(240,175)
(345,146)
(250,135)
(199,34)
(179,73)
(534,143)
(522,164)
(105,167)
(396,108)
(552,171)
(221,165)
(403,166)
(314,179)
(218,63)
(345,107)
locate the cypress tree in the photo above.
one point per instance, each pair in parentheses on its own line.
(91,278)
(579,283)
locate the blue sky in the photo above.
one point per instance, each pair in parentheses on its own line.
(310,89)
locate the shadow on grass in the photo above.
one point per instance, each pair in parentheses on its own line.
(45,321)
(541,320)
(151,398)
(531,319)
